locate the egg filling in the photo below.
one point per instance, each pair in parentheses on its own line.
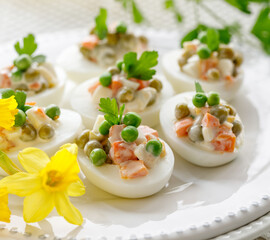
(222,64)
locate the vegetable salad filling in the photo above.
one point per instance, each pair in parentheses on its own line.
(105,45)
(28,73)
(207,122)
(121,141)
(32,123)
(209,58)
(130,82)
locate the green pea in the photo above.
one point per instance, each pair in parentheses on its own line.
(7,93)
(130,133)
(23,62)
(16,75)
(154,146)
(121,28)
(132,119)
(199,100)
(105,79)
(202,37)
(53,111)
(213,99)
(98,156)
(204,52)
(104,128)
(119,65)
(20,118)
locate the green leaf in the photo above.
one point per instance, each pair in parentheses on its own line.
(137,15)
(121,111)
(101,27)
(7,165)
(20,97)
(242,5)
(198,87)
(212,39)
(140,69)
(224,35)
(261,29)
(29,45)
(110,108)
(39,58)
(168,4)
(193,34)
(178,16)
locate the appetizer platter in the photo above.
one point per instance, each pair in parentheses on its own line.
(197,202)
(131,82)
(33,74)
(100,49)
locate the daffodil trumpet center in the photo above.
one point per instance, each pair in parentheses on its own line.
(53,181)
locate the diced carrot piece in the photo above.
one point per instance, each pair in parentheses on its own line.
(205,65)
(210,121)
(115,86)
(224,142)
(93,87)
(143,84)
(6,81)
(122,151)
(41,112)
(90,42)
(35,85)
(229,78)
(30,103)
(148,132)
(182,126)
(133,169)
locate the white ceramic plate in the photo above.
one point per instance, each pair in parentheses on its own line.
(198,203)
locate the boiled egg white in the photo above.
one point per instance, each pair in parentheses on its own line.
(108,178)
(81,101)
(68,126)
(182,82)
(77,66)
(190,151)
(51,95)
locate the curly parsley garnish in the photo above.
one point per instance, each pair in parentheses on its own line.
(141,68)
(110,108)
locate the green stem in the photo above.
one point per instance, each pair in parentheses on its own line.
(7,165)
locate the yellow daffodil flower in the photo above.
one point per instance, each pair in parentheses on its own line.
(47,183)
(4,210)
(8,110)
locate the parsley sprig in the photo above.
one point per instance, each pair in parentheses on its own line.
(110,108)
(141,68)
(25,58)
(101,28)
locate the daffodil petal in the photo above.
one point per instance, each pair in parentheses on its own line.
(7,112)
(33,159)
(71,147)
(37,206)
(4,210)
(21,184)
(65,208)
(76,189)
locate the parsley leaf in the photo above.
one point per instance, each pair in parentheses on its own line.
(242,5)
(110,108)
(20,97)
(29,45)
(101,27)
(39,58)
(137,15)
(261,29)
(212,39)
(170,5)
(198,87)
(140,69)
(193,34)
